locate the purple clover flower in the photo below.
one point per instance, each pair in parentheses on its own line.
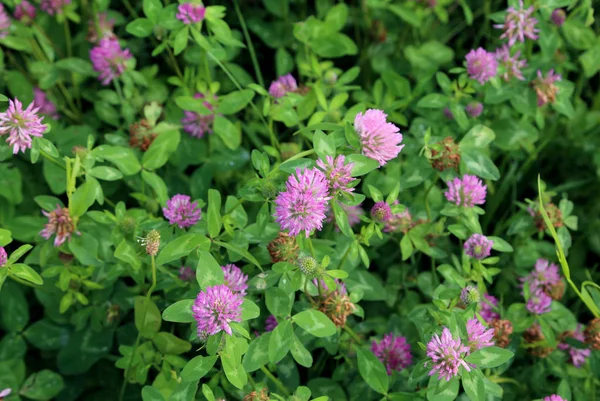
(338,173)
(479,336)
(481,65)
(545,88)
(558,17)
(5,22)
(302,206)
(282,85)
(45,105)
(190,13)
(181,211)
(577,356)
(59,223)
(25,11)
(3,256)
(103,29)
(393,351)
(52,7)
(539,302)
(215,308)
(186,273)
(270,323)
(197,124)
(545,275)
(518,24)
(109,60)
(235,279)
(554,397)
(448,113)
(5,393)
(488,304)
(447,355)
(474,109)
(381,212)
(511,65)
(21,125)
(467,191)
(401,221)
(380,139)
(478,246)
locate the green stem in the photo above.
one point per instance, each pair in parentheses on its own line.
(70,54)
(51,159)
(352,334)
(274,141)
(175,64)
(425,198)
(130,8)
(249,42)
(277,382)
(119,90)
(139,336)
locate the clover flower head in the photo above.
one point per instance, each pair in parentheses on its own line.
(215,308)
(181,211)
(393,351)
(21,125)
(380,139)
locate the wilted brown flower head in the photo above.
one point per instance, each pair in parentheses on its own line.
(283,248)
(502,331)
(446,157)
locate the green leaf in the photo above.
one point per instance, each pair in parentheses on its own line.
(16,255)
(140,27)
(82,199)
(234,101)
(500,245)
(46,335)
(84,349)
(578,35)
(336,16)
(257,355)
(479,164)
(323,144)
(157,184)
(26,273)
(14,307)
(151,394)
(280,341)
(127,254)
(207,393)
(489,357)
(190,103)
(433,101)
(122,157)
(106,173)
(362,164)
(214,213)
(249,310)
(372,371)
(181,40)
(208,271)
(180,248)
(564,390)
(300,353)
(152,8)
(85,249)
(198,367)
(167,343)
(161,148)
(406,13)
(406,247)
(478,137)
(184,391)
(179,312)
(76,65)
(278,301)
(315,322)
(229,132)
(232,365)
(474,385)
(147,317)
(47,146)
(43,385)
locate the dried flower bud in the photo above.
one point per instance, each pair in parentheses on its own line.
(592,334)
(553,212)
(534,335)
(502,331)
(447,157)
(283,248)
(141,135)
(263,395)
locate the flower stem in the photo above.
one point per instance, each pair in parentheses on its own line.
(352,334)
(250,46)
(277,382)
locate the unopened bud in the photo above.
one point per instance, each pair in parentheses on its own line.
(151,242)
(469,295)
(381,212)
(308,265)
